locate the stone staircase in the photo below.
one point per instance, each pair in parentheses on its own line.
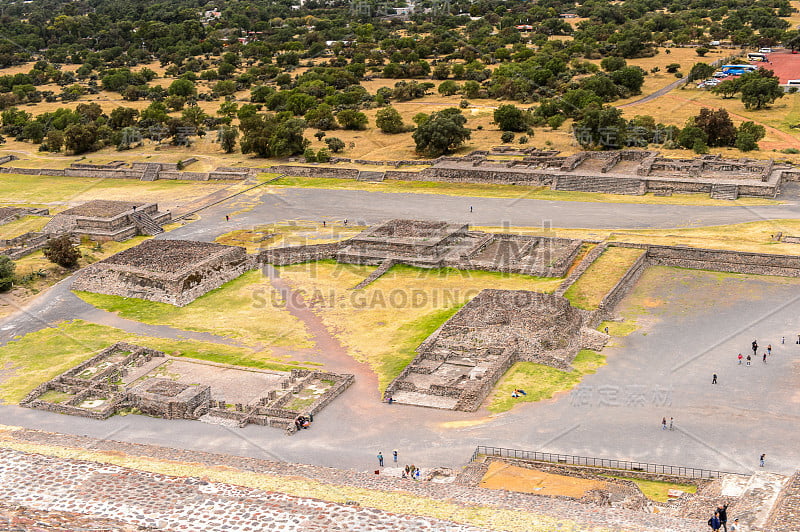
(151,172)
(380,270)
(724,191)
(146,225)
(604,184)
(373,177)
(759,494)
(587,261)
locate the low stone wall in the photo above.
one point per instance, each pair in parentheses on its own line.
(314,171)
(7,158)
(620,289)
(298,254)
(725,261)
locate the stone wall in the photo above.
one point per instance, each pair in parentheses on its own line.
(314,171)
(621,288)
(725,261)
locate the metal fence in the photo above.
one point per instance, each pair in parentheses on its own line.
(608,463)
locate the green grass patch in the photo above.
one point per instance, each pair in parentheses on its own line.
(39,356)
(618,328)
(505,191)
(54,396)
(591,287)
(408,338)
(240,309)
(657,490)
(540,381)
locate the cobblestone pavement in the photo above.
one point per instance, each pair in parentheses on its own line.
(19,518)
(176,503)
(588,515)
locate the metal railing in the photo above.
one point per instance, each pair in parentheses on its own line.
(607,463)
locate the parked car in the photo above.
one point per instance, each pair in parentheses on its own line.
(713,82)
(720,75)
(765,50)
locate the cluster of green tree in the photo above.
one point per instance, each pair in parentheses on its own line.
(714,128)
(758,89)
(87,128)
(605,128)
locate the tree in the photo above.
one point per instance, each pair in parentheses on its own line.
(81,138)
(601,128)
(321,117)
(122,117)
(612,63)
(727,88)
(700,71)
(631,78)
(511,118)
(336,145)
(507,137)
(441,133)
(759,89)
(690,135)
(352,119)
(227,138)
(746,142)
(701,51)
(673,67)
(182,87)
(267,136)
(7,267)
(756,130)
(60,250)
(448,88)
(389,120)
(717,125)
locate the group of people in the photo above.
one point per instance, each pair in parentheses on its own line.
(411,471)
(518,393)
(664,423)
(720,520)
(303,422)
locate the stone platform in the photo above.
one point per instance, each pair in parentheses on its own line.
(168,271)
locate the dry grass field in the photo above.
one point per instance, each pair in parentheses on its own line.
(502,476)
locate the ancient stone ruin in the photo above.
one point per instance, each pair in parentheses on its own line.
(126,376)
(19,245)
(458,365)
(438,245)
(169,271)
(102,220)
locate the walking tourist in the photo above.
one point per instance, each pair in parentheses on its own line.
(714,379)
(663,423)
(714,522)
(670,423)
(764,358)
(755,347)
(769,349)
(735,526)
(380,459)
(394,455)
(722,513)
(748,360)
(740,359)
(761,459)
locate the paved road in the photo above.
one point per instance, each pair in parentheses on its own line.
(723,427)
(279,204)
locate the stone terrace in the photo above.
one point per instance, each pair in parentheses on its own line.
(588,516)
(102,220)
(458,365)
(169,271)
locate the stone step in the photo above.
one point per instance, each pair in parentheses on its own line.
(759,495)
(375,177)
(724,191)
(380,270)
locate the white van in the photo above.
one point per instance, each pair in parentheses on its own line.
(765,50)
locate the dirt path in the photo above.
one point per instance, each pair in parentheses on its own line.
(331,351)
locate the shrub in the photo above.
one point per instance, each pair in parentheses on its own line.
(62,251)
(507,137)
